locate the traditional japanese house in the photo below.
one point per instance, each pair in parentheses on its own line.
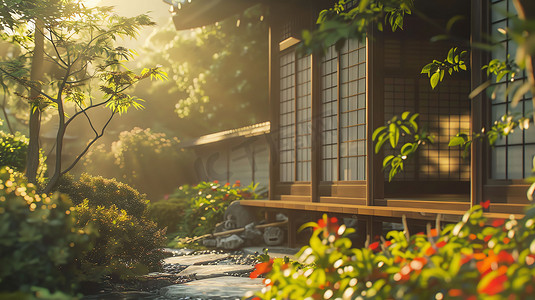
(324,109)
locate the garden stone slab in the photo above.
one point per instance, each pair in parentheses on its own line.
(227,287)
(203,272)
(190,260)
(178,252)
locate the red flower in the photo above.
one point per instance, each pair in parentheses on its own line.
(498,222)
(485,204)
(495,285)
(433,232)
(237,183)
(441,244)
(374,246)
(216,181)
(388,243)
(262,268)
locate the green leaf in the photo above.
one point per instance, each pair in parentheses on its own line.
(380,143)
(434,79)
(450,55)
(407,149)
(377,132)
(405,115)
(456,141)
(386,160)
(393,135)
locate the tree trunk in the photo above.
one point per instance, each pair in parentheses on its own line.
(36,75)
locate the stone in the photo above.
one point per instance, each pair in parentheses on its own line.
(252,234)
(230,243)
(227,287)
(178,252)
(238,215)
(189,260)
(209,243)
(203,272)
(273,236)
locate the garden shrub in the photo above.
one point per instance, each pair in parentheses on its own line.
(203,206)
(39,244)
(105,192)
(467,260)
(14,151)
(126,246)
(168,213)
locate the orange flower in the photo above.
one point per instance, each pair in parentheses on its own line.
(455,292)
(262,268)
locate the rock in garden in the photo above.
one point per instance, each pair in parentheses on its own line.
(229,243)
(251,234)
(240,215)
(273,236)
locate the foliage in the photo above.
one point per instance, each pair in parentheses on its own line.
(205,205)
(467,260)
(39,243)
(104,192)
(169,212)
(435,70)
(501,128)
(404,125)
(126,246)
(13,152)
(338,24)
(79,43)
(203,90)
(146,160)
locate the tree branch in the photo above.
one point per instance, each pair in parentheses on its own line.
(97,136)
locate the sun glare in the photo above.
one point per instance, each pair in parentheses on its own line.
(91,3)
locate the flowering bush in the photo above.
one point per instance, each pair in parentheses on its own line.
(467,260)
(203,205)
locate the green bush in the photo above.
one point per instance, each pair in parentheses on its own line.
(39,244)
(13,152)
(197,209)
(167,213)
(126,246)
(467,260)
(100,191)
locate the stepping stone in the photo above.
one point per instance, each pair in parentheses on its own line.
(190,260)
(203,272)
(227,287)
(178,252)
